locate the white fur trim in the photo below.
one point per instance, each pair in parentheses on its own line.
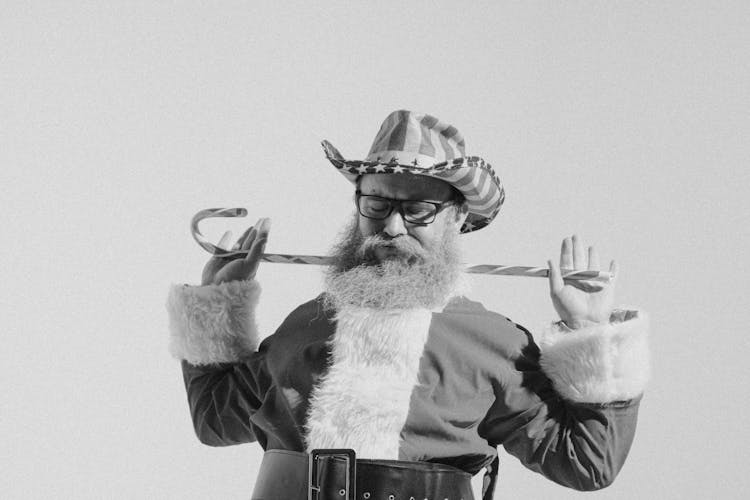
(213,323)
(601,363)
(363,400)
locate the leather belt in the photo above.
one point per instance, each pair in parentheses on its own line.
(333,474)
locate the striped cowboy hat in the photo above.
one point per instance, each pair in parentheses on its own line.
(423,145)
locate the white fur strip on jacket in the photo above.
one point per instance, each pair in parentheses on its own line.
(214,323)
(598,363)
(362,402)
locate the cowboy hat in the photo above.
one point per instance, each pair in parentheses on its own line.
(421,144)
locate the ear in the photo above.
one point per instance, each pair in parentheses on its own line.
(357,182)
(461,212)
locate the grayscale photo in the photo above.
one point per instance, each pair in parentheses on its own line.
(375,251)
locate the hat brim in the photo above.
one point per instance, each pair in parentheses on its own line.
(470,175)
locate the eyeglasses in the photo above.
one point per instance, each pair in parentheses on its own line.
(413,211)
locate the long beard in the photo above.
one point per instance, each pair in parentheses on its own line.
(411,276)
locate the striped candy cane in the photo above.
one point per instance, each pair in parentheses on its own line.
(277,258)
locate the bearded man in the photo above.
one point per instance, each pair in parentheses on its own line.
(392,384)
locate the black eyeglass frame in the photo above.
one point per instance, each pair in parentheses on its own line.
(398,204)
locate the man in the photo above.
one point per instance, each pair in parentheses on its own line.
(392,363)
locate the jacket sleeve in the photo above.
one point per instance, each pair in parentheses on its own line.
(213,333)
(568,407)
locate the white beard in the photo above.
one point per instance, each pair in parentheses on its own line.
(415,278)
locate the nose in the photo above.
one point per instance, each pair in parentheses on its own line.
(394,225)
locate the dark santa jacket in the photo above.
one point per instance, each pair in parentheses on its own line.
(446,386)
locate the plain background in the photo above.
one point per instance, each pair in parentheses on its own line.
(623,122)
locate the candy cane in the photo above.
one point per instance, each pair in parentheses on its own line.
(277,258)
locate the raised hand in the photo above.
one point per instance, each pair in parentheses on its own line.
(580,303)
(221,269)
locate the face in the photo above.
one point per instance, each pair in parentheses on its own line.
(408,187)
(394,264)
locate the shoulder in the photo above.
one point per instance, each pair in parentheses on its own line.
(468,310)
(472,321)
(308,321)
(310,311)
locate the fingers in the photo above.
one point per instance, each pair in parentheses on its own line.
(573,255)
(566,254)
(255,251)
(264,228)
(243,267)
(556,282)
(247,237)
(593,259)
(259,233)
(579,257)
(251,233)
(224,241)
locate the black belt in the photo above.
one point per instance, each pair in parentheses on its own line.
(338,475)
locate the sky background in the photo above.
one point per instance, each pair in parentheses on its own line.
(624,122)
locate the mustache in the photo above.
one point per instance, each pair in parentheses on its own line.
(403,245)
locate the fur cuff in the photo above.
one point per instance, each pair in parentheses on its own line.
(213,323)
(601,363)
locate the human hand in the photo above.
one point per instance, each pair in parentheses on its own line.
(221,269)
(580,302)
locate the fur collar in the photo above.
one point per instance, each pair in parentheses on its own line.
(363,400)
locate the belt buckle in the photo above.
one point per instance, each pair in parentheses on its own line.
(347,454)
